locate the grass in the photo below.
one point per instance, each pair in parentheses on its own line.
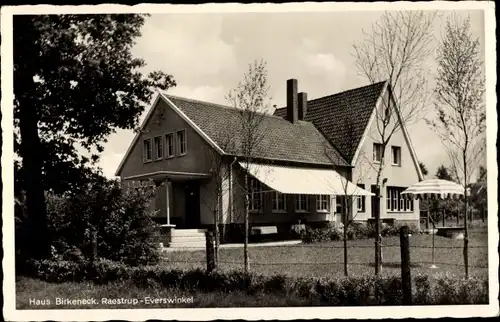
(33,289)
(326,259)
(318,260)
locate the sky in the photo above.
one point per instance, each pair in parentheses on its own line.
(208,53)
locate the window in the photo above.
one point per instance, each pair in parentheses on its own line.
(396,201)
(182,141)
(396,155)
(279,201)
(323,203)
(301,202)
(169,145)
(158,143)
(339,204)
(148,151)
(377,152)
(361,200)
(255,195)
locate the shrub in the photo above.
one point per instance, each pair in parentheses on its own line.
(125,231)
(315,235)
(344,291)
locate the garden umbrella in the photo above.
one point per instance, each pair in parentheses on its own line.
(435,189)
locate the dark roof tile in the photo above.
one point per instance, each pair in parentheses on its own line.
(281,140)
(343,117)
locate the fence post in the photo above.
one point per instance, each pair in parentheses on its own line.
(405,265)
(210,251)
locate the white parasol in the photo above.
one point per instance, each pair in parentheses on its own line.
(435,189)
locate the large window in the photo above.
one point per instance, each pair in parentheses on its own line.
(323,203)
(361,200)
(396,155)
(147,150)
(158,143)
(182,142)
(169,145)
(255,195)
(377,152)
(279,201)
(302,202)
(397,201)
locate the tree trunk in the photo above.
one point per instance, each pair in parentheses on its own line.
(38,246)
(346,273)
(247,210)
(378,237)
(217,236)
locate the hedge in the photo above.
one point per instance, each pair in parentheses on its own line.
(333,291)
(354,231)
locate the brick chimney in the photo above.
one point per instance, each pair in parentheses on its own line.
(302,106)
(292,112)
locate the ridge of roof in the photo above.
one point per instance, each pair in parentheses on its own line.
(348,91)
(232,108)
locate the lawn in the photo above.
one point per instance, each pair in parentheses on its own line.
(319,260)
(326,259)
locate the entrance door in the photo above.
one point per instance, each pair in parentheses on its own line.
(192,193)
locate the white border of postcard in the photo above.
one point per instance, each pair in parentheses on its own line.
(10,313)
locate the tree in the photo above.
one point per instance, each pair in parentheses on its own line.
(75,82)
(220,173)
(459,105)
(443,173)
(394,51)
(250,97)
(349,197)
(423,168)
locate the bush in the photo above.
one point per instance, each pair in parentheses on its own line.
(343,291)
(316,235)
(121,221)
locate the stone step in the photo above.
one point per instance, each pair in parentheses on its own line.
(188,239)
(188,232)
(188,244)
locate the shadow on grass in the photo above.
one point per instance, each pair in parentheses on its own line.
(394,265)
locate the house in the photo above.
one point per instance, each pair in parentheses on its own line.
(307,157)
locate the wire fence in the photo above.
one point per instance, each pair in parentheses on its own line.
(300,255)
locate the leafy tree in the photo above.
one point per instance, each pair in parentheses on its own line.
(423,168)
(75,82)
(460,112)
(443,173)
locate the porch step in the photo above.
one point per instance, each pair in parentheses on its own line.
(188,244)
(188,232)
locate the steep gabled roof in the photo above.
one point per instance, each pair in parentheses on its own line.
(343,117)
(281,140)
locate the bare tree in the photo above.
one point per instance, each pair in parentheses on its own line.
(220,173)
(250,97)
(394,51)
(349,197)
(460,112)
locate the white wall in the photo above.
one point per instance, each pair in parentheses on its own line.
(365,171)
